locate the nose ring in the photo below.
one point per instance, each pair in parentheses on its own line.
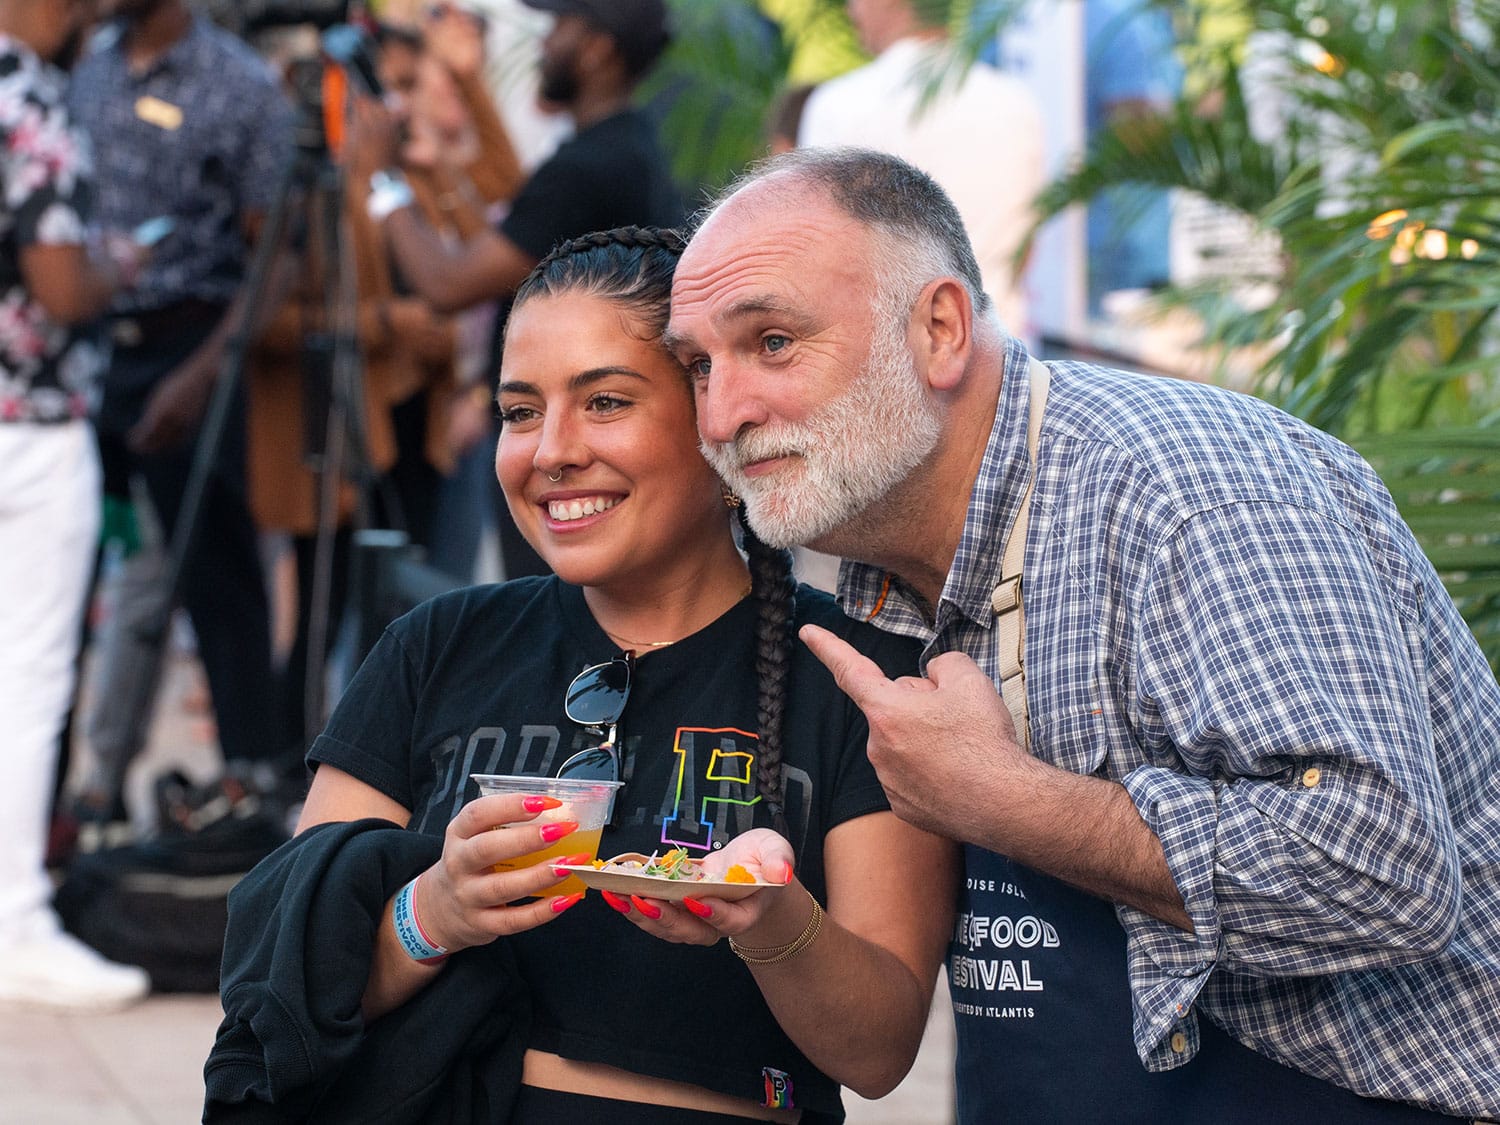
(555,479)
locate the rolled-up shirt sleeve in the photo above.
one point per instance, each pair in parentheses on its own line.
(1282,709)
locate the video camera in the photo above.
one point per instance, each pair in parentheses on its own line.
(353,49)
(344,65)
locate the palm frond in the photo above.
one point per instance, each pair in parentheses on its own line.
(1380,183)
(1446,482)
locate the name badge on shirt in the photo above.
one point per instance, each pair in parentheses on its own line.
(154,111)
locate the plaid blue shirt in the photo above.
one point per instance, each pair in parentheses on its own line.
(1226,615)
(202,135)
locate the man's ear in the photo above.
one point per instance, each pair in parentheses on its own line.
(944,322)
(598,52)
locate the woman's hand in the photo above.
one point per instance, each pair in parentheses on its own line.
(426,335)
(765,854)
(463,901)
(703,920)
(455,38)
(373,141)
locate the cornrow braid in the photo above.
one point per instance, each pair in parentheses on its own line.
(775,593)
(630,238)
(632,265)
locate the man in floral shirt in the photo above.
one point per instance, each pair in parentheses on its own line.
(49,488)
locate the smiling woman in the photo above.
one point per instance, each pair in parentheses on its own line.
(734,747)
(635,514)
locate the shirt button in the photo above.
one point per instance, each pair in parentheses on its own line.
(1311,777)
(1179,1042)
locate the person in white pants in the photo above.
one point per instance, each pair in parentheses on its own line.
(49,489)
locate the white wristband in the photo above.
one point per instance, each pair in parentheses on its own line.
(389,192)
(419,947)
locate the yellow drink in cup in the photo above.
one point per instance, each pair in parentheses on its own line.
(587,802)
(575,844)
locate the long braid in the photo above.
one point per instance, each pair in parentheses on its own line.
(775,593)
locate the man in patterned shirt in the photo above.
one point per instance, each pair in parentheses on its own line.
(188,123)
(49,488)
(1238,860)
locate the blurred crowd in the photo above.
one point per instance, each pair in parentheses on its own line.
(254,286)
(255,276)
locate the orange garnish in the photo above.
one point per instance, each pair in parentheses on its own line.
(596,864)
(738,874)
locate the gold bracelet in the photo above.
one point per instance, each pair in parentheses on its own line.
(775,954)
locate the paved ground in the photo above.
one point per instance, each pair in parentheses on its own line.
(144,1066)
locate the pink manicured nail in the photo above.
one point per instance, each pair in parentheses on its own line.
(614,900)
(698,908)
(566,902)
(540,804)
(572,861)
(558,829)
(786,876)
(649,909)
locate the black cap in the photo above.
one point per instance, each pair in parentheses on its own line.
(638,27)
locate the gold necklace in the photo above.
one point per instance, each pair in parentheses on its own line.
(626,642)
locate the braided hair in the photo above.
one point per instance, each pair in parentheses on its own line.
(775,593)
(630,265)
(633,266)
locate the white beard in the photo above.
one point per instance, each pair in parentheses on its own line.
(848,455)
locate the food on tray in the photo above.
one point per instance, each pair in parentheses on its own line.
(673,876)
(676,865)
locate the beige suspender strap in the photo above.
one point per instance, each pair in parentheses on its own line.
(1005,600)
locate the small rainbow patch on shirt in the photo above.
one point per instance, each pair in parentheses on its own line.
(778,1088)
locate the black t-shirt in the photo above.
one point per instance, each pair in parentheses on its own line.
(474,681)
(611,174)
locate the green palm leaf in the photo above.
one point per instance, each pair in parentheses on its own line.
(1380,331)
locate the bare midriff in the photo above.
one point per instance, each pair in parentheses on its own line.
(553,1072)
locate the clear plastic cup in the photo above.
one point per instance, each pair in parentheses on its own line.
(587,802)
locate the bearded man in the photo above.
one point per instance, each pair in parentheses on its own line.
(1223,765)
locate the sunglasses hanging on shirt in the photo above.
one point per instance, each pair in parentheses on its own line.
(595,701)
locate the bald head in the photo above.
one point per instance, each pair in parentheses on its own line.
(918,234)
